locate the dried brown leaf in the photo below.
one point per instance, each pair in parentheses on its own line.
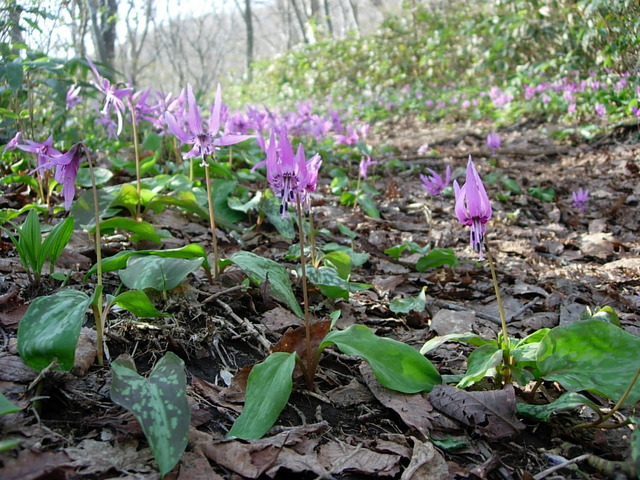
(13,369)
(85,351)
(195,466)
(426,463)
(490,413)
(92,456)
(340,457)
(31,465)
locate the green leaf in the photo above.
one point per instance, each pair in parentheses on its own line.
(50,329)
(468,337)
(340,261)
(57,239)
(512,185)
(102,176)
(268,389)
(119,260)
(271,208)
(604,314)
(330,283)
(412,247)
(406,305)
(159,273)
(368,205)
(346,231)
(15,74)
(357,259)
(82,209)
(138,303)
(8,444)
(479,363)
(159,403)
(544,194)
(436,258)
(30,243)
(567,401)
(127,197)
(141,230)
(221,191)
(396,365)
(6,406)
(257,268)
(26,179)
(591,355)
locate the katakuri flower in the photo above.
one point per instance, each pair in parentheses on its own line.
(13,143)
(112,95)
(288,174)
(580,199)
(204,141)
(493,141)
(365,163)
(433,183)
(67,166)
(473,207)
(73,96)
(44,151)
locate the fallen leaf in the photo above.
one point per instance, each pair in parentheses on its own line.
(340,457)
(448,321)
(13,369)
(195,466)
(350,395)
(278,319)
(85,351)
(31,465)
(92,456)
(426,463)
(490,413)
(414,410)
(599,245)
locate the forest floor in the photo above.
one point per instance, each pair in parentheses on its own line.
(553,261)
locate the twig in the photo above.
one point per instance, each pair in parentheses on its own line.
(213,297)
(249,326)
(458,308)
(522,309)
(560,466)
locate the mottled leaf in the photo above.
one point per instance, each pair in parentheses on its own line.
(159,273)
(436,258)
(406,305)
(138,303)
(591,355)
(479,364)
(50,329)
(567,401)
(141,230)
(160,404)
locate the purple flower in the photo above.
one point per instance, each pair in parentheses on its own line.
(434,184)
(204,141)
(13,143)
(472,206)
(600,109)
(67,166)
(73,96)
(44,151)
(493,141)
(287,173)
(142,109)
(580,199)
(112,96)
(365,163)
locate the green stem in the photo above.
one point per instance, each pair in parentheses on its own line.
(312,240)
(506,347)
(98,315)
(137,159)
(212,219)
(305,297)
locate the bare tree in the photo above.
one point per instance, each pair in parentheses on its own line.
(138,18)
(247,16)
(103,14)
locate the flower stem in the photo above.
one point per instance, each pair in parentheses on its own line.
(505,336)
(305,296)
(212,219)
(98,248)
(137,158)
(312,240)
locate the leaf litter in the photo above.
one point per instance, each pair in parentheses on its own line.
(552,262)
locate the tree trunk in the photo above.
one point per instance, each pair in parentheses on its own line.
(103,23)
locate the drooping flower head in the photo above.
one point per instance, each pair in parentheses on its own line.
(433,183)
(73,96)
(493,141)
(365,163)
(204,141)
(580,199)
(291,176)
(67,166)
(112,95)
(473,207)
(44,151)
(13,143)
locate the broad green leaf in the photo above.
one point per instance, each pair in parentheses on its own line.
(251,204)
(101,174)
(159,403)
(412,247)
(271,208)
(340,261)
(138,303)
(127,197)
(604,314)
(368,205)
(544,194)
(30,243)
(406,305)
(141,230)
(152,141)
(221,191)
(330,283)
(159,273)
(6,406)
(8,444)
(479,363)
(57,239)
(346,231)
(512,185)
(119,260)
(82,209)
(591,355)
(26,179)
(258,268)
(357,259)
(396,365)
(468,337)
(567,401)
(50,329)
(437,258)
(268,389)
(15,74)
